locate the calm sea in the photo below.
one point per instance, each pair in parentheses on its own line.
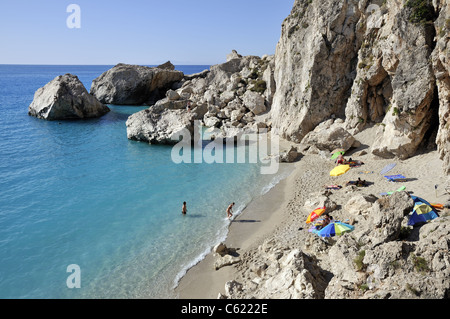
(80,193)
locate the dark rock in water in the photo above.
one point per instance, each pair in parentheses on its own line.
(63,98)
(127,84)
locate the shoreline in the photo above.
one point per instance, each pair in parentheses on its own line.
(250,228)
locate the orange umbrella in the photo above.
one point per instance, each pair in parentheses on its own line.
(315,214)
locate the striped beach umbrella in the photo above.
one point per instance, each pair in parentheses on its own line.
(315,214)
(422,212)
(335,228)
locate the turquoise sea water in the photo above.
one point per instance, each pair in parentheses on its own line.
(80,192)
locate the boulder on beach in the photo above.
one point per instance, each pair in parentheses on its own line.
(328,135)
(127,84)
(65,97)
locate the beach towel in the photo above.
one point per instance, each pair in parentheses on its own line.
(387,168)
(396,178)
(390,193)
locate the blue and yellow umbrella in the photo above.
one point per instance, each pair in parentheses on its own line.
(422,212)
(335,228)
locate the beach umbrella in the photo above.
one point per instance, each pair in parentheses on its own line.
(335,228)
(339,170)
(422,212)
(335,155)
(338,150)
(315,214)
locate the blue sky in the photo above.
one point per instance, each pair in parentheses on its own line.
(139,32)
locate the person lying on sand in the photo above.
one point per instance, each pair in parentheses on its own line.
(333,187)
(359,183)
(354,163)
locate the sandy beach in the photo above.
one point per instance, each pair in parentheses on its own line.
(280,214)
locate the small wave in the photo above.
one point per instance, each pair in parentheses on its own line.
(196,261)
(275,181)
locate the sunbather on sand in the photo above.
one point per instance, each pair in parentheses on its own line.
(354,163)
(340,160)
(333,187)
(359,183)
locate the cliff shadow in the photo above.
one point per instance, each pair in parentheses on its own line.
(353,150)
(246,221)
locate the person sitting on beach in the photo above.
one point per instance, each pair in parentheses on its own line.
(188,107)
(324,222)
(230,210)
(340,160)
(327,220)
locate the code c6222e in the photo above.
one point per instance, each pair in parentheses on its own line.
(243,308)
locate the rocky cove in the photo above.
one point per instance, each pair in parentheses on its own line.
(342,70)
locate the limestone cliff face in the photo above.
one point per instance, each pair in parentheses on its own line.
(395,83)
(382,63)
(314,64)
(441,66)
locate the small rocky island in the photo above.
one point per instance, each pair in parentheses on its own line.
(64,98)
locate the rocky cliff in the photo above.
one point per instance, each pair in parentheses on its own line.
(381,63)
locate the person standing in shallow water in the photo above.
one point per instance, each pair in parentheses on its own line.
(184,209)
(230,211)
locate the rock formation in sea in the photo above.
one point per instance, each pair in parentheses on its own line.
(65,97)
(232,97)
(126,84)
(163,122)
